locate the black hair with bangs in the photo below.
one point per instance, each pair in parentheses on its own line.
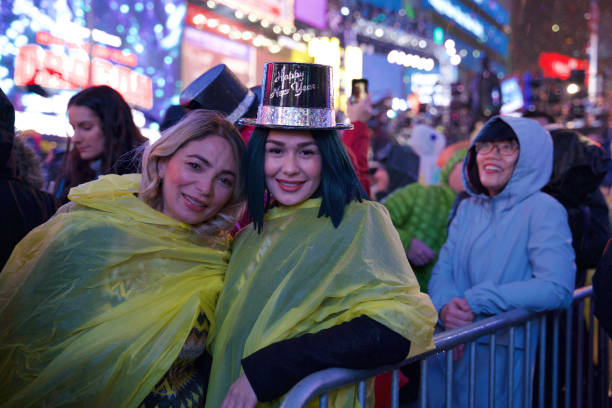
(339,183)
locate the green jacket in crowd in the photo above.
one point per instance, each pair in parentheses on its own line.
(421,211)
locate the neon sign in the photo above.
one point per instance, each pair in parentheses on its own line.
(495,10)
(560,66)
(277,11)
(143,36)
(467,20)
(121,57)
(47,68)
(460,15)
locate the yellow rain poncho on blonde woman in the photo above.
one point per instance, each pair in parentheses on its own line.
(301,275)
(97,303)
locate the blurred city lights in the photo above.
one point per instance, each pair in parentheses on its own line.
(455,59)
(573,89)
(438,35)
(399,104)
(410,60)
(198,19)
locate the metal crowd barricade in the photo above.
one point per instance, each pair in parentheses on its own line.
(574,389)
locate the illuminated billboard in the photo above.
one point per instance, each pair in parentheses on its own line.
(494,10)
(512,95)
(58,47)
(312,12)
(560,66)
(275,11)
(386,4)
(470,22)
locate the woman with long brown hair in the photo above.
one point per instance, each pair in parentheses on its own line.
(104,136)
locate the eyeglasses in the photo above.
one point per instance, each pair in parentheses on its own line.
(503,148)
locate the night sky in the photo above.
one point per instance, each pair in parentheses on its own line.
(532,31)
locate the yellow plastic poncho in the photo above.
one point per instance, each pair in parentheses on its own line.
(302,275)
(96,304)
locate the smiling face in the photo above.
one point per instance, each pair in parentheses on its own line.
(494,168)
(198,179)
(88,135)
(292,166)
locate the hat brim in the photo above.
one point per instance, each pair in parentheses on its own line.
(253,122)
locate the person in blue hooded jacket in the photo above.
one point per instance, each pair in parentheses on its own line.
(509,246)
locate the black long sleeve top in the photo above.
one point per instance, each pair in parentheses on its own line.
(361,343)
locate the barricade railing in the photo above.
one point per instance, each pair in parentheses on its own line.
(580,386)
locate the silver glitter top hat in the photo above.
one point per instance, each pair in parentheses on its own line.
(296,96)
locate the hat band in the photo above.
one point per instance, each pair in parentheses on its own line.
(242,107)
(298,117)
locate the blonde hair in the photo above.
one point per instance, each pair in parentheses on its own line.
(196,125)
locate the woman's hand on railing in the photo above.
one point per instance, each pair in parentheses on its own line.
(458,352)
(240,394)
(456,313)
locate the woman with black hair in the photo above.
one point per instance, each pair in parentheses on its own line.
(321,279)
(104,139)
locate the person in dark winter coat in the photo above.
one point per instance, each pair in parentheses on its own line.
(579,166)
(23,205)
(602,288)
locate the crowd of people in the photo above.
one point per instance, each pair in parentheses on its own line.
(260,240)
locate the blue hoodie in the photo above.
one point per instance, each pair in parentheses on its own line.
(503,252)
(514,249)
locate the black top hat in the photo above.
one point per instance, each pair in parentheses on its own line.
(219,89)
(296,96)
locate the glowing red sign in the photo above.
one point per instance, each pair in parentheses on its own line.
(194,12)
(560,66)
(121,57)
(36,65)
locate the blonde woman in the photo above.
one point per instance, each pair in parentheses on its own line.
(109,303)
